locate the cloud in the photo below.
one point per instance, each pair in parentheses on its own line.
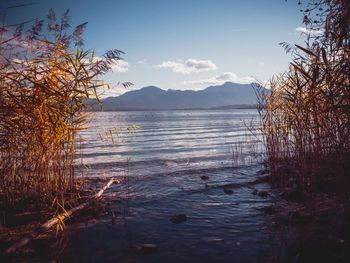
(117,66)
(189,66)
(222,78)
(112,92)
(309,31)
(120,66)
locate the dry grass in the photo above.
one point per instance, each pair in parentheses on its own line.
(46,85)
(305,117)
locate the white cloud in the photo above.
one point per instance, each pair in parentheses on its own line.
(222,78)
(112,92)
(189,66)
(309,31)
(120,66)
(117,66)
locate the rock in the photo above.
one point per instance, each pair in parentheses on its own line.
(255,192)
(228,191)
(136,248)
(144,249)
(149,248)
(263,194)
(270,210)
(204,177)
(114,220)
(176,219)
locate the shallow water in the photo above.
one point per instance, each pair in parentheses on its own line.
(160,168)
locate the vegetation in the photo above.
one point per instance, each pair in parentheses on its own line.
(48,83)
(305,117)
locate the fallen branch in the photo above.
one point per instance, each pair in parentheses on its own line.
(43,228)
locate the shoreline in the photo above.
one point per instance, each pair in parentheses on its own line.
(315,227)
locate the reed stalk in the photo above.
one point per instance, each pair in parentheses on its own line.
(305,115)
(48,84)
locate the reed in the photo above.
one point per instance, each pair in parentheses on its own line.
(305,116)
(48,84)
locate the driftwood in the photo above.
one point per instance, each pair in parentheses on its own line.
(43,228)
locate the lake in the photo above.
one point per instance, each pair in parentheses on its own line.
(205,164)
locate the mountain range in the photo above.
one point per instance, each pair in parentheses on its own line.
(226,95)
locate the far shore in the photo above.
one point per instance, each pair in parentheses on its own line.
(228,107)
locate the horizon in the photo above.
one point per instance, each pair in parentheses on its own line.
(204,88)
(182,45)
(228,95)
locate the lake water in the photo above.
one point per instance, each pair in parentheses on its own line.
(180,162)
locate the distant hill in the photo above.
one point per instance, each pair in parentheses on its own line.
(228,95)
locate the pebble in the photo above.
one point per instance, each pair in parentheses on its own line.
(269,210)
(176,219)
(204,177)
(144,248)
(228,191)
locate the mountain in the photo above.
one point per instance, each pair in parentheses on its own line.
(229,95)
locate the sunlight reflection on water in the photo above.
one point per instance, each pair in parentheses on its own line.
(162,168)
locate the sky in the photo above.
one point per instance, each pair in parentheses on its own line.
(181,44)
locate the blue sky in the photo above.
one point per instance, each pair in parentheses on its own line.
(183,44)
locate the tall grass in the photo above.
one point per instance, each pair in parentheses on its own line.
(305,116)
(48,83)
